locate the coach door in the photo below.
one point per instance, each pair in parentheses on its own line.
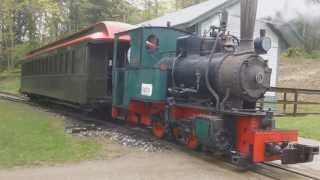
(120,62)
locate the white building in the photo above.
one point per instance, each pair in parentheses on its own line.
(200,17)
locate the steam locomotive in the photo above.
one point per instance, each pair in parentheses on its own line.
(199,91)
(202,91)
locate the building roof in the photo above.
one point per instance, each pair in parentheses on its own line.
(286,32)
(194,14)
(101,31)
(190,15)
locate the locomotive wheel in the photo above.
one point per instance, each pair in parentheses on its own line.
(176,133)
(133,119)
(192,142)
(158,129)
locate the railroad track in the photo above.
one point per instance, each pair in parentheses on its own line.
(14,97)
(291,171)
(269,170)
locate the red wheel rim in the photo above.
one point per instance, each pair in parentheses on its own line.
(158,129)
(192,142)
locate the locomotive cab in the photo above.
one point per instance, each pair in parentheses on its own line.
(141,78)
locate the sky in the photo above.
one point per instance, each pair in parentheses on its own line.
(289,8)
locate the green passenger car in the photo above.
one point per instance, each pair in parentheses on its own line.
(76,69)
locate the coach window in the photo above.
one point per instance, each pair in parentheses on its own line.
(78,62)
(53,64)
(39,66)
(66,56)
(84,59)
(47,64)
(152,43)
(59,62)
(56,62)
(32,67)
(42,65)
(73,61)
(29,68)
(36,66)
(62,63)
(26,68)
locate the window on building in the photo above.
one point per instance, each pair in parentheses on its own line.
(193,28)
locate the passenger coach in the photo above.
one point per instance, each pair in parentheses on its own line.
(76,69)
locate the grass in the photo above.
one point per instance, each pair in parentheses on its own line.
(34,137)
(308,126)
(301,54)
(301,108)
(10,81)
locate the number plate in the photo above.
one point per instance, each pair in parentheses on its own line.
(146,89)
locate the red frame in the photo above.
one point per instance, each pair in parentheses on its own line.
(185,112)
(249,130)
(142,111)
(249,133)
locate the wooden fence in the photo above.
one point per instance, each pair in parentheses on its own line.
(285,101)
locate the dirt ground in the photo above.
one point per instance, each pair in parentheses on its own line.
(136,165)
(140,165)
(297,73)
(300,73)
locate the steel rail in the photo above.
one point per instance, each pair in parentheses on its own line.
(14,97)
(310,176)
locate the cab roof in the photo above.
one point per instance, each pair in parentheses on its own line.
(100,32)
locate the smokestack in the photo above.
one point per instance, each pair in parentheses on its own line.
(247,22)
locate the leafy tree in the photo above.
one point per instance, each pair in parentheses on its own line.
(27,24)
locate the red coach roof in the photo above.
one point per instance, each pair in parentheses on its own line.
(101,31)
